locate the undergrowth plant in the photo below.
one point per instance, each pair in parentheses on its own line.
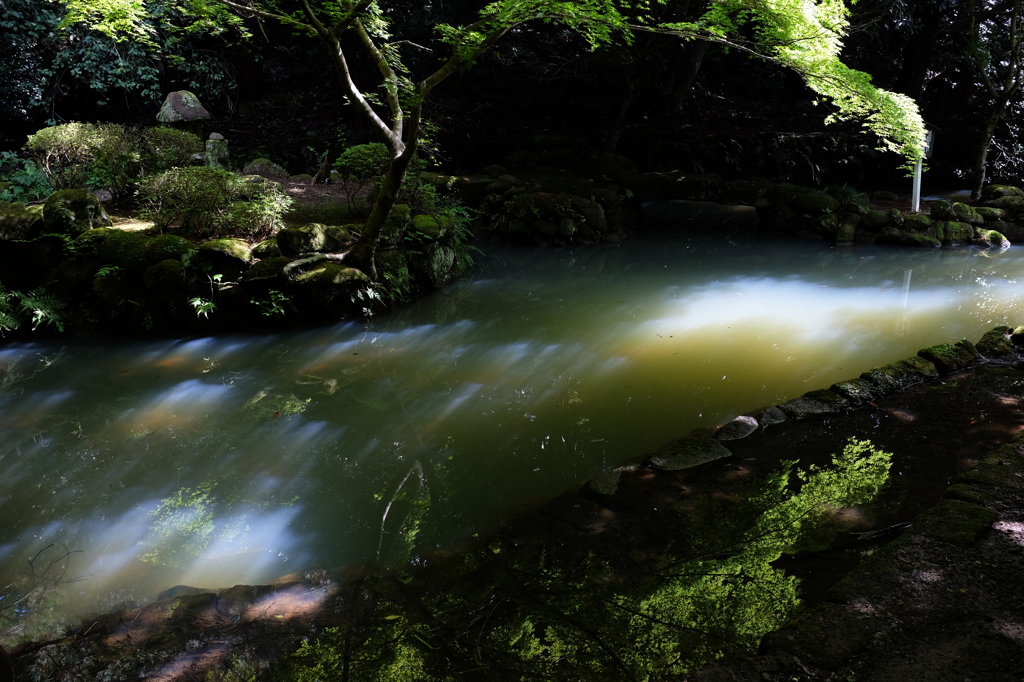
(22,179)
(208,202)
(37,307)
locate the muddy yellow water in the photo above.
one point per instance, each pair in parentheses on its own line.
(126,468)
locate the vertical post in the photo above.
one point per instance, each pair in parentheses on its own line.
(916,206)
(929,140)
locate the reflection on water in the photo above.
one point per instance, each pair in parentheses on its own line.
(230,460)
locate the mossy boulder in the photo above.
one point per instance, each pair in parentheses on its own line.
(127,250)
(168,246)
(312,238)
(73,211)
(990,192)
(995,345)
(847,233)
(1013,205)
(437,266)
(18,221)
(327,289)
(966,214)
(951,357)
(954,521)
(898,376)
(432,227)
(991,238)
(857,391)
(874,220)
(812,204)
(952,232)
(917,222)
(268,268)
(226,257)
(267,248)
(822,401)
(989,214)
(894,235)
(265,168)
(688,452)
(1017,337)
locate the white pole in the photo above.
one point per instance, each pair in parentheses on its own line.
(917,186)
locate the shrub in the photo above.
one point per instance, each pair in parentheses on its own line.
(80,155)
(363,162)
(164,148)
(361,166)
(207,202)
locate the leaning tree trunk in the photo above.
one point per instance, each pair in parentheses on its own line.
(364,253)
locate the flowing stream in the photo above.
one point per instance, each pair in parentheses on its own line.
(129,467)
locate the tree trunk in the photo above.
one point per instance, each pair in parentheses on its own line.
(981,154)
(363,254)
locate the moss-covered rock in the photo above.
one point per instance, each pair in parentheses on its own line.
(951,357)
(942,209)
(966,214)
(898,376)
(226,257)
(688,452)
(1013,205)
(966,492)
(812,204)
(822,401)
(894,235)
(874,220)
(18,221)
(990,192)
(437,265)
(1017,337)
(73,211)
(168,246)
(857,391)
(127,250)
(990,238)
(267,268)
(955,522)
(995,345)
(917,222)
(312,238)
(267,248)
(265,168)
(896,218)
(989,214)
(432,227)
(847,233)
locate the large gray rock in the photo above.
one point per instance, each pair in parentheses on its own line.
(182,107)
(688,452)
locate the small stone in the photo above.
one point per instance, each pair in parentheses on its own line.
(216,136)
(740,427)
